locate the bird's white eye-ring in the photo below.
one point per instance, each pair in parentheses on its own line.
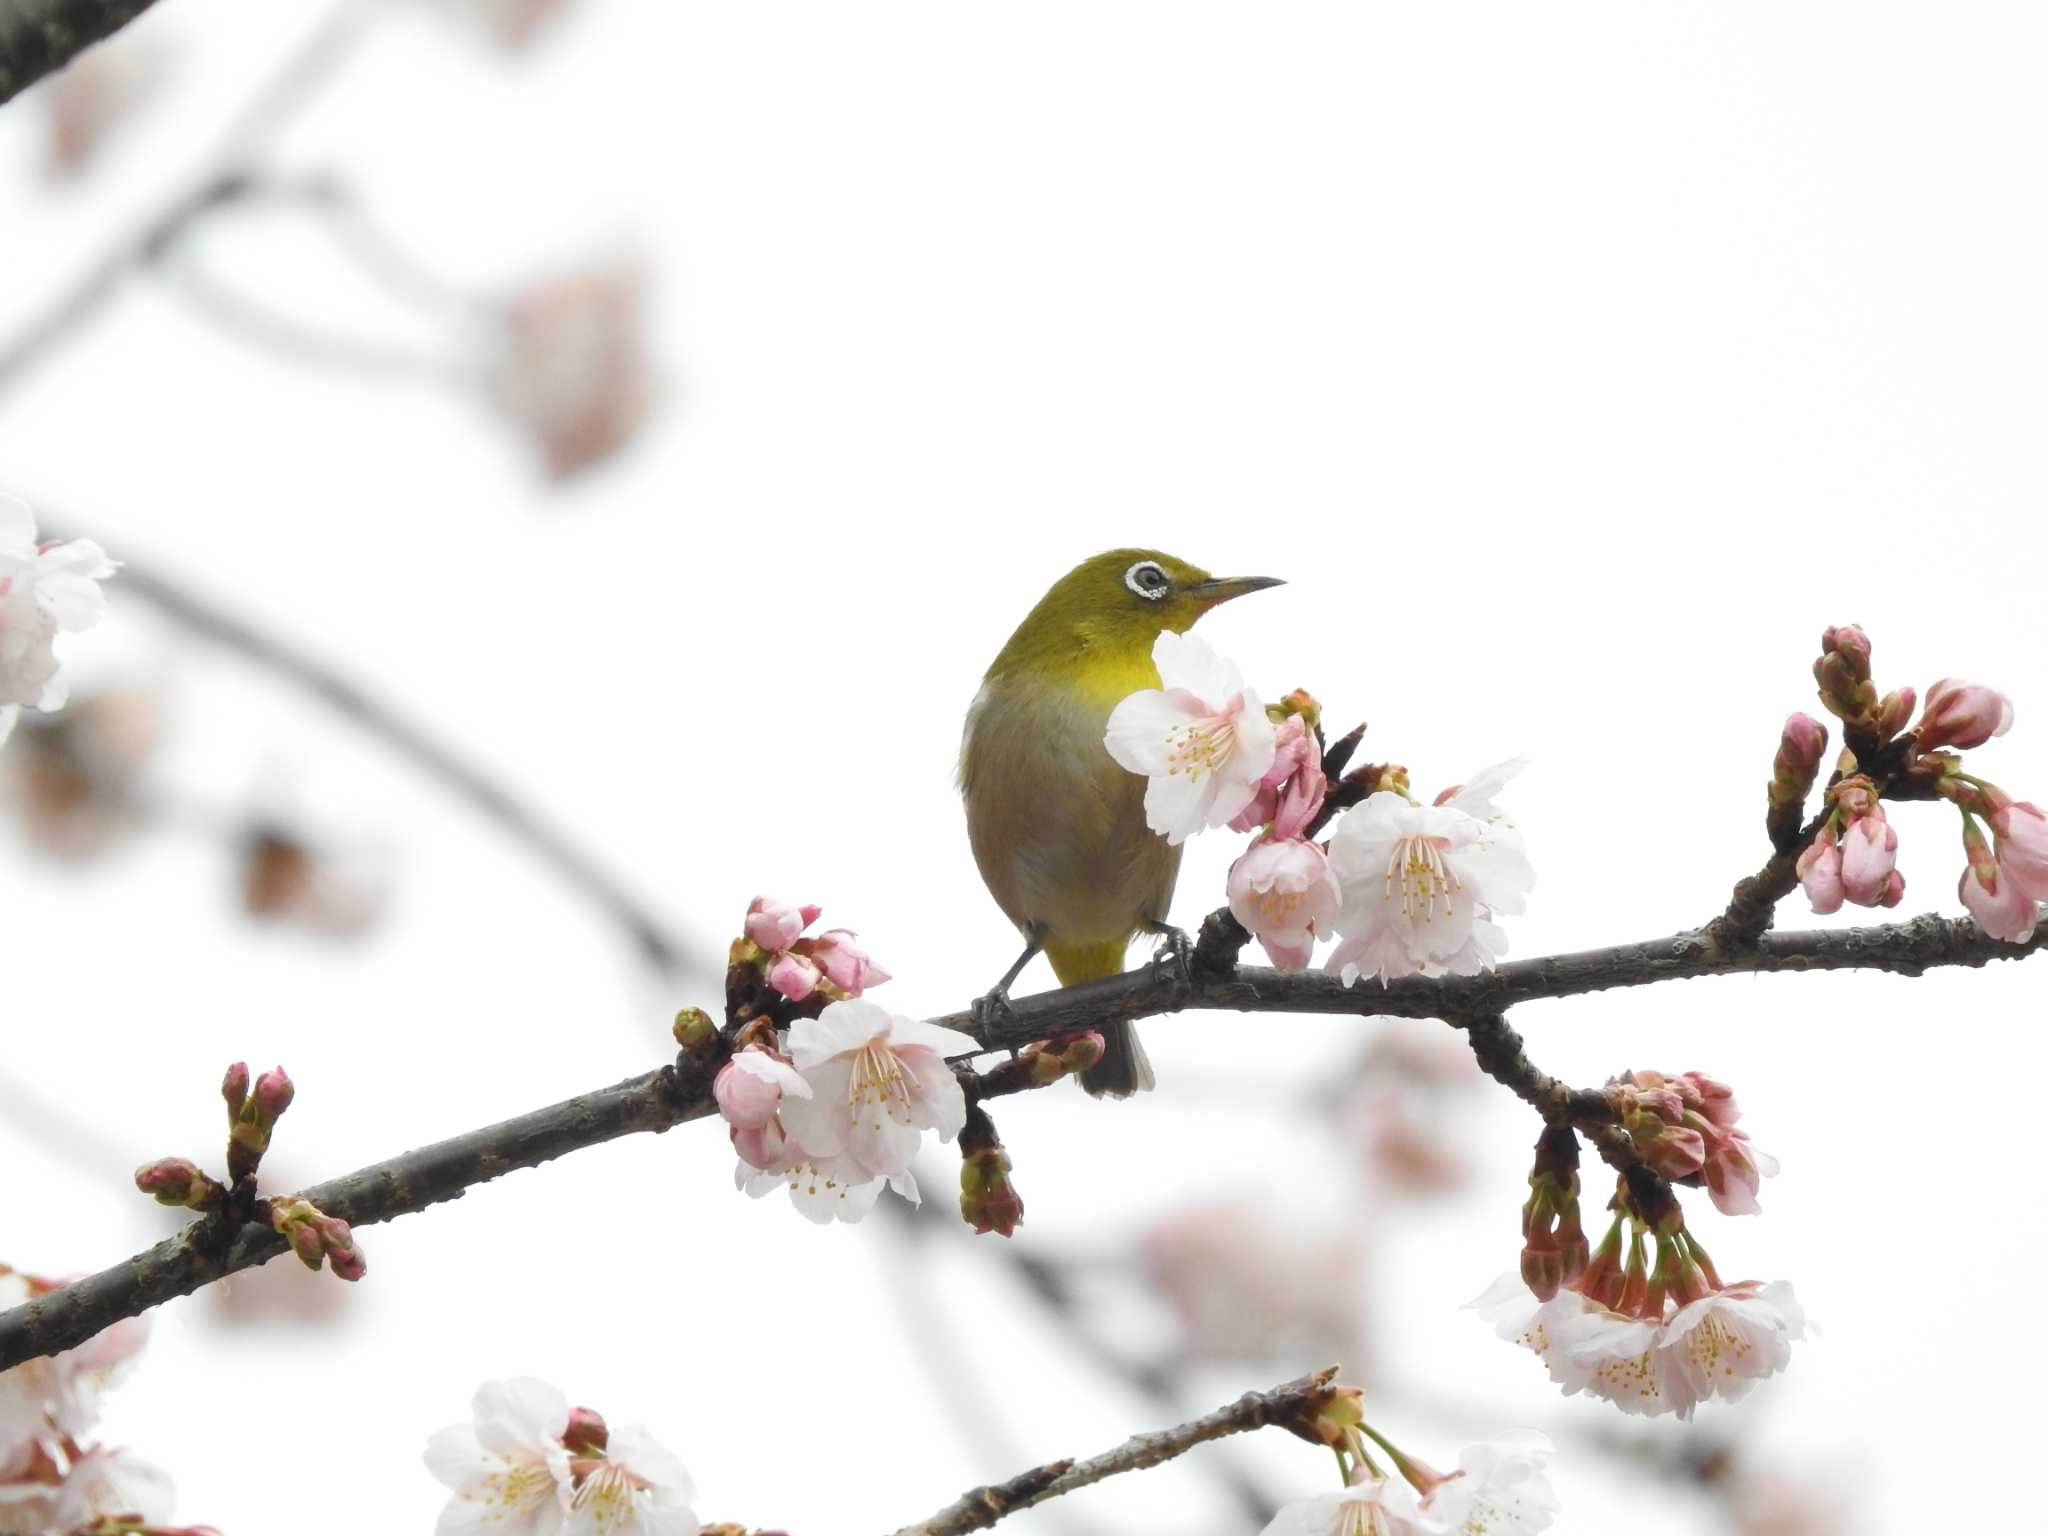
(1147,580)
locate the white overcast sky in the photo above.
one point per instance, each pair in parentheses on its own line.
(1575,364)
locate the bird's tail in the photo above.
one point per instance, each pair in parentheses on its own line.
(1124,1069)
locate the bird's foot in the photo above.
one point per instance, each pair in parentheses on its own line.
(992,1007)
(1176,950)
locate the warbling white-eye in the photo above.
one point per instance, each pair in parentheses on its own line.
(1058,828)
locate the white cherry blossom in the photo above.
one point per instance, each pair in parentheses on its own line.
(1422,883)
(1369,1507)
(499,1465)
(1501,1488)
(1726,1342)
(45,590)
(878,1081)
(1201,739)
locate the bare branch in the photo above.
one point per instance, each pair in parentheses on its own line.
(980,1508)
(655,1102)
(39,37)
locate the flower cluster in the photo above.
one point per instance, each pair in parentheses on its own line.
(1501,1487)
(773,947)
(1685,1128)
(1853,854)
(50,1479)
(1408,888)
(45,590)
(530,1465)
(1651,1339)
(840,1108)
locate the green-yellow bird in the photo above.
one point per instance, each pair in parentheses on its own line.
(1058,828)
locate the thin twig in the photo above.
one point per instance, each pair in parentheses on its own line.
(656,943)
(72,1315)
(980,1508)
(225,176)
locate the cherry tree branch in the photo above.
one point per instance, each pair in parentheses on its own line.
(980,1508)
(658,1100)
(39,37)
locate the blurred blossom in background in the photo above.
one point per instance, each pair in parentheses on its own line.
(572,462)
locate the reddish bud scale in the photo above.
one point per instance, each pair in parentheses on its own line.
(175,1182)
(586,1434)
(234,1088)
(989,1202)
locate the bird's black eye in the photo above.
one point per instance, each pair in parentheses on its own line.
(1147,580)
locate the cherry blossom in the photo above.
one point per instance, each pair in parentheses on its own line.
(1819,867)
(1370,1506)
(45,590)
(1422,883)
(878,1080)
(1723,1344)
(1960,714)
(1283,892)
(1501,1488)
(1201,739)
(572,373)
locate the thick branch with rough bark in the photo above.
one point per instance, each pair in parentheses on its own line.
(979,1508)
(415,1180)
(39,37)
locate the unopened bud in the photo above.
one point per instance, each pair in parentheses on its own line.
(1801,746)
(235,1088)
(989,1202)
(1961,714)
(1542,1270)
(694,1031)
(1976,852)
(174,1181)
(1894,890)
(1850,643)
(1300,702)
(315,1236)
(249,1131)
(1843,673)
(1893,711)
(586,1434)
(1051,1060)
(272,1096)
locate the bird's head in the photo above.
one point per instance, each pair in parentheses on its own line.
(1114,606)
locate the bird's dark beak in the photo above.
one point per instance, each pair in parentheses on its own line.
(1223,588)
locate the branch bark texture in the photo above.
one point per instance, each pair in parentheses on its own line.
(658,1100)
(39,37)
(980,1508)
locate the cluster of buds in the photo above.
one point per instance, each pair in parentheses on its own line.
(989,1202)
(1854,852)
(773,952)
(1684,1126)
(1651,1337)
(253,1113)
(315,1236)
(1853,856)
(1281,887)
(1843,673)
(1554,1247)
(1501,1486)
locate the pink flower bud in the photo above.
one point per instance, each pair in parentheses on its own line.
(793,975)
(347,1263)
(1051,1060)
(1869,849)
(1285,893)
(1820,871)
(989,1202)
(1711,1098)
(1801,746)
(1733,1171)
(1850,643)
(747,1100)
(174,1181)
(1542,1268)
(586,1434)
(2023,846)
(235,1088)
(1961,714)
(272,1096)
(845,961)
(775,924)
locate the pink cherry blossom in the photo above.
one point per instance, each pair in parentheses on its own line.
(795,976)
(1726,1342)
(1820,871)
(846,962)
(774,924)
(1960,714)
(878,1081)
(1283,892)
(1201,739)
(749,1088)
(1292,790)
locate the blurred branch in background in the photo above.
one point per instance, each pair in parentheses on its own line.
(653,941)
(39,37)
